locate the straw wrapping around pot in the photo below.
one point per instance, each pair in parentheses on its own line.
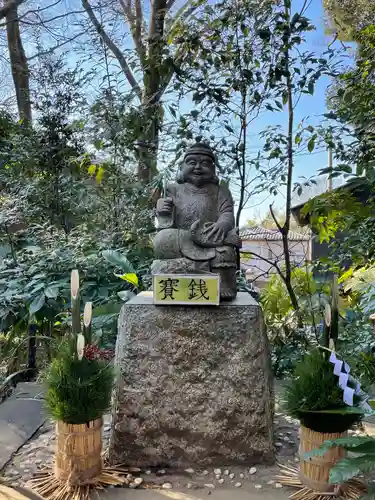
(314,472)
(78,452)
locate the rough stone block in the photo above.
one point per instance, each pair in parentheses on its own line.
(194,385)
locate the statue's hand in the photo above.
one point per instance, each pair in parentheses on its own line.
(164,206)
(209,234)
(214,234)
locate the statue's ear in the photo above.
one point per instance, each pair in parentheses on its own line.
(216,180)
(180,176)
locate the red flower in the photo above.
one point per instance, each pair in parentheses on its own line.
(92,352)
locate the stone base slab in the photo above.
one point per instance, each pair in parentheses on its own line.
(194,385)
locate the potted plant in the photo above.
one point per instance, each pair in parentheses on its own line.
(360,462)
(327,401)
(79,385)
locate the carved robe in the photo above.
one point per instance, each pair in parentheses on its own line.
(208,204)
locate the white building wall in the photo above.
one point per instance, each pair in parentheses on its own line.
(259,269)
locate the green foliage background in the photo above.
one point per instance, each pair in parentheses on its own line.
(69,193)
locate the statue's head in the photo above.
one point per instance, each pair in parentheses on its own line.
(198,167)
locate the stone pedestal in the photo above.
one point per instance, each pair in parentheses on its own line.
(194,385)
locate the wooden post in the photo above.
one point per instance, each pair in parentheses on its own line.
(333,333)
(31,355)
(372,319)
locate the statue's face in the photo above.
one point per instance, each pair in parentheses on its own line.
(198,169)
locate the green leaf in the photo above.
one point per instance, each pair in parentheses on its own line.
(51,292)
(131,278)
(285,97)
(98,144)
(245,29)
(37,304)
(118,259)
(351,443)
(355,444)
(311,144)
(99,175)
(343,470)
(347,468)
(340,411)
(365,449)
(36,288)
(346,275)
(91,169)
(342,167)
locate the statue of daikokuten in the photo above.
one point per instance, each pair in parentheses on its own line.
(196,226)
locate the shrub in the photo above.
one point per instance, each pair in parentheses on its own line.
(289,342)
(78,390)
(315,390)
(79,381)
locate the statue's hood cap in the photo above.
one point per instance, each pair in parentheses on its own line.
(199,148)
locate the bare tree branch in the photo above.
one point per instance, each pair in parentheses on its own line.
(273,264)
(9,6)
(275,219)
(55,47)
(35,11)
(43,22)
(113,48)
(135,23)
(139,22)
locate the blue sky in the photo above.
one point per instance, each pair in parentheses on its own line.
(311,107)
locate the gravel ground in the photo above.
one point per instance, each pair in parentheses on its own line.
(39,451)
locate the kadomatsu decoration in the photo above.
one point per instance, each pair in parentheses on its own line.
(327,400)
(79,385)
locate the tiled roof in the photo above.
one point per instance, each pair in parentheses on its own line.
(262,233)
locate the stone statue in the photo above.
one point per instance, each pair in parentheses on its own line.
(196,224)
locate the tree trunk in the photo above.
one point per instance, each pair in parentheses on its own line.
(154,74)
(148,145)
(290,167)
(153,89)
(18,60)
